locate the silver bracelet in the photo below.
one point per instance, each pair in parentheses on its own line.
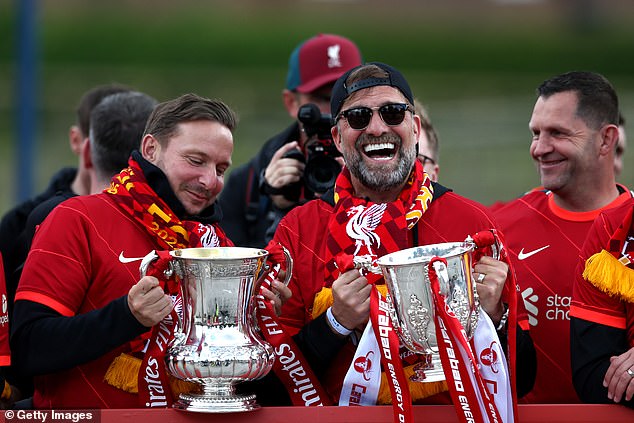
(504,319)
(338,327)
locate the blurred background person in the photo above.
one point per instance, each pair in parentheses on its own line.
(428,146)
(69,179)
(621,146)
(259,193)
(116,129)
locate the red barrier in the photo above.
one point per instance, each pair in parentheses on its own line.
(554,413)
(427,414)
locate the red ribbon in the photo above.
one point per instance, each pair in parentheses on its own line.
(390,358)
(469,395)
(290,365)
(153,381)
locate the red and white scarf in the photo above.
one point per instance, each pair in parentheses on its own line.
(133,194)
(361,228)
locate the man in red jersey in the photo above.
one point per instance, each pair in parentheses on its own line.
(377,133)
(81,309)
(602,311)
(9,392)
(575,130)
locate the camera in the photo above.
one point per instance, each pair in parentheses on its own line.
(321,168)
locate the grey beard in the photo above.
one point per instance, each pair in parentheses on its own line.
(382,180)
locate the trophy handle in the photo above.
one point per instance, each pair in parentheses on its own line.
(487,238)
(289,265)
(160,265)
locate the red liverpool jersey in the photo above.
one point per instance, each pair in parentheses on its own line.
(5,352)
(544,243)
(449,218)
(79,261)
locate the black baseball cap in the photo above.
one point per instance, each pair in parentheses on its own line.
(341,91)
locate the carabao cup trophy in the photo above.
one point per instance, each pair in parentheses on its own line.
(217,343)
(409,292)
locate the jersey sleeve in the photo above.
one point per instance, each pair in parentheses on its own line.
(589,302)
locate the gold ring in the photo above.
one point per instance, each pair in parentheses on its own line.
(631,373)
(481,277)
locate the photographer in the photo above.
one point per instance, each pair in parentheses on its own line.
(260,192)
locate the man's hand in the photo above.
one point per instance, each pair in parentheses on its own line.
(147,301)
(283,171)
(351,295)
(490,286)
(277,295)
(618,381)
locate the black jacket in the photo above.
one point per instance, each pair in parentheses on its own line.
(247,213)
(14,221)
(591,346)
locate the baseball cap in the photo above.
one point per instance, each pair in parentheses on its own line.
(341,91)
(320,60)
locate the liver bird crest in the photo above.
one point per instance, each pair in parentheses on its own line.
(362,224)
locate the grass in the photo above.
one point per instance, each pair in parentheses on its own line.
(476,69)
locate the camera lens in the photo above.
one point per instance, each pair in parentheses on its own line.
(321,173)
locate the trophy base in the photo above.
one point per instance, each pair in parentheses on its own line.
(428,370)
(218,404)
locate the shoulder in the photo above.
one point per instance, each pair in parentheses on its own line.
(532,200)
(83,207)
(304,228)
(313,209)
(456,204)
(614,216)
(43,209)
(305,220)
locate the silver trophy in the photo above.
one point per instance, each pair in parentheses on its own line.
(409,292)
(217,342)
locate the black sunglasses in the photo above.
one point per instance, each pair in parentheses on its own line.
(359,117)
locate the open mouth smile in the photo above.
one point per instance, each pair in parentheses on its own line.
(380,151)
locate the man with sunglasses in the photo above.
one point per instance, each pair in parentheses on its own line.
(257,194)
(377,132)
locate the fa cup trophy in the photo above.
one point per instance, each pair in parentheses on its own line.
(217,341)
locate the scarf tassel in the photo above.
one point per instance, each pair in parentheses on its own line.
(123,374)
(608,274)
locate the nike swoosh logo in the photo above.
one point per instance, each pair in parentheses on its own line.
(522,255)
(124,259)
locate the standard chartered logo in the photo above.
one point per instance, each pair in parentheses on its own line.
(556,307)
